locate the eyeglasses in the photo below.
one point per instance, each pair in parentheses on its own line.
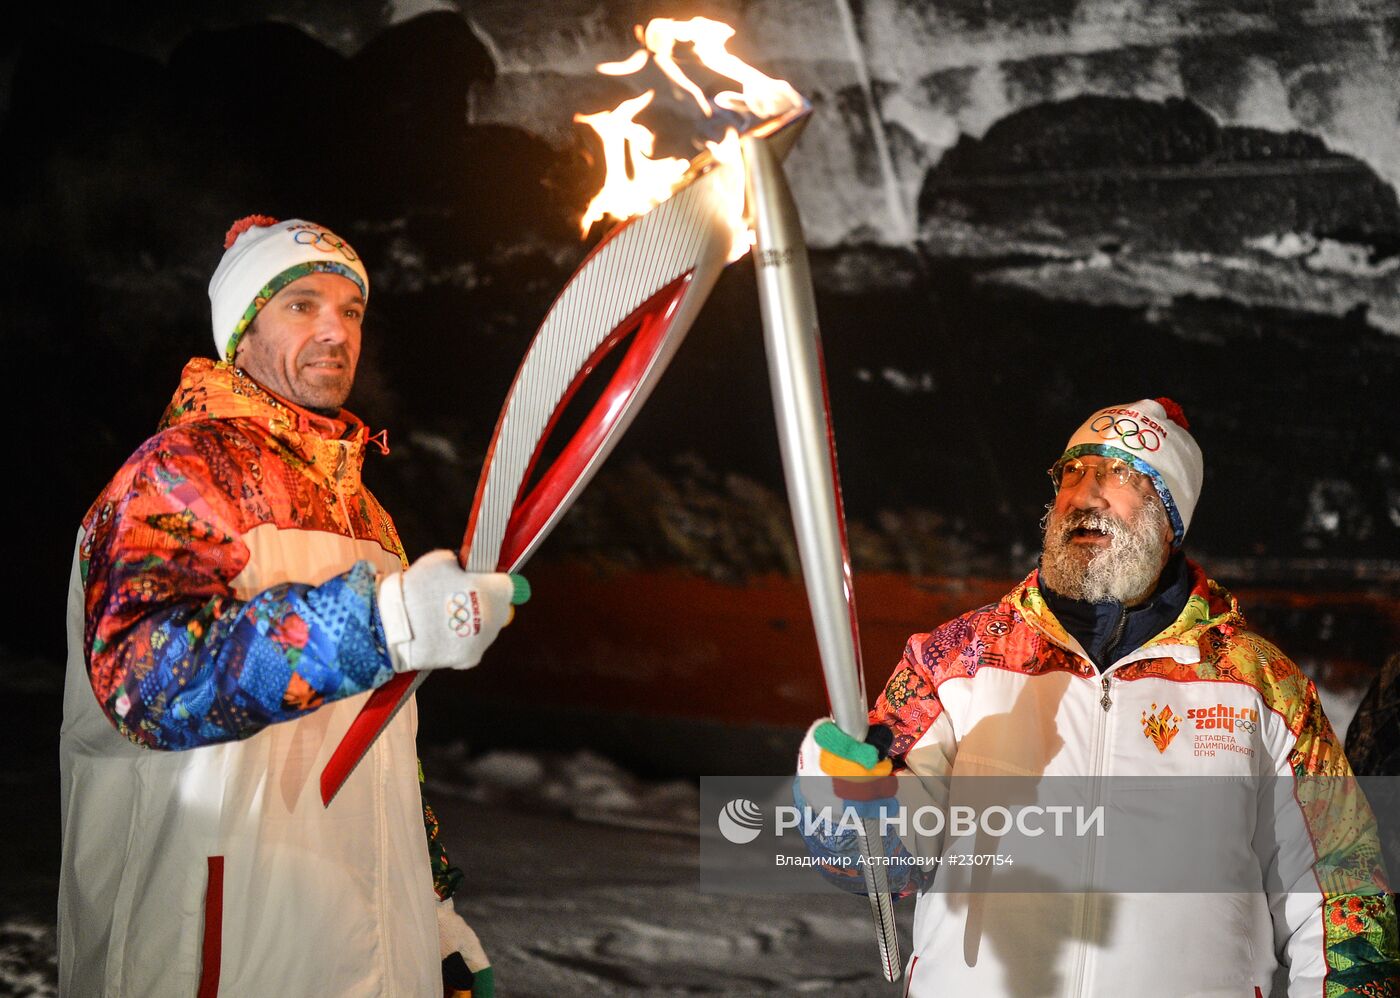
(1113,474)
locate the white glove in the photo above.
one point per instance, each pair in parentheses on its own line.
(456,936)
(436,616)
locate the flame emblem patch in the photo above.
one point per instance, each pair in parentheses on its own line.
(1160,727)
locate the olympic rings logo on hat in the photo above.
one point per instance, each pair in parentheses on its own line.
(324,242)
(1134,435)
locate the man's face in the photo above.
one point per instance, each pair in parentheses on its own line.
(1105,540)
(305,342)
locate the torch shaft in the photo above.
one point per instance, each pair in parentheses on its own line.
(798,379)
(795,371)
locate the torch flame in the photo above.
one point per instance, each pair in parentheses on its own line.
(632,64)
(759,94)
(625,142)
(635,182)
(729,155)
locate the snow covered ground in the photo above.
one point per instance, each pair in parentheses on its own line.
(581,880)
(570,907)
(584,880)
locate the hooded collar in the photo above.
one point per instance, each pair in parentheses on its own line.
(332,446)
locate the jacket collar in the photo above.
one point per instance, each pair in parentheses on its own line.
(1209,607)
(333,446)
(1107,630)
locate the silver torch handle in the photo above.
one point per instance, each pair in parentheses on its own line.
(798,380)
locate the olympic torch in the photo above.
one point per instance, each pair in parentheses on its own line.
(800,402)
(638,292)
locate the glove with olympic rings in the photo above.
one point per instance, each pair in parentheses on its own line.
(437,616)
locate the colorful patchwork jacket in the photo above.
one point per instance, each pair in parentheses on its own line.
(1005,691)
(223,584)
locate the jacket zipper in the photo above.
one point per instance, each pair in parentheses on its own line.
(1089,910)
(1098,755)
(339,472)
(1118,629)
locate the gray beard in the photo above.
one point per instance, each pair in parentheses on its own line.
(1126,571)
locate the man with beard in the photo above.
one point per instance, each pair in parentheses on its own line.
(1120,657)
(236,593)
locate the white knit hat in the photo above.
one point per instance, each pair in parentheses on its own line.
(1151,435)
(261,257)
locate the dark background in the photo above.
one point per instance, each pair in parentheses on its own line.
(1019,212)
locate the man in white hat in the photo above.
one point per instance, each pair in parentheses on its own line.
(1120,658)
(236,593)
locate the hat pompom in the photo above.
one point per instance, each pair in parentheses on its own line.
(1174,412)
(243,225)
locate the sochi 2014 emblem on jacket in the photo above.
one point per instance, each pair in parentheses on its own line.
(1160,727)
(1224,728)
